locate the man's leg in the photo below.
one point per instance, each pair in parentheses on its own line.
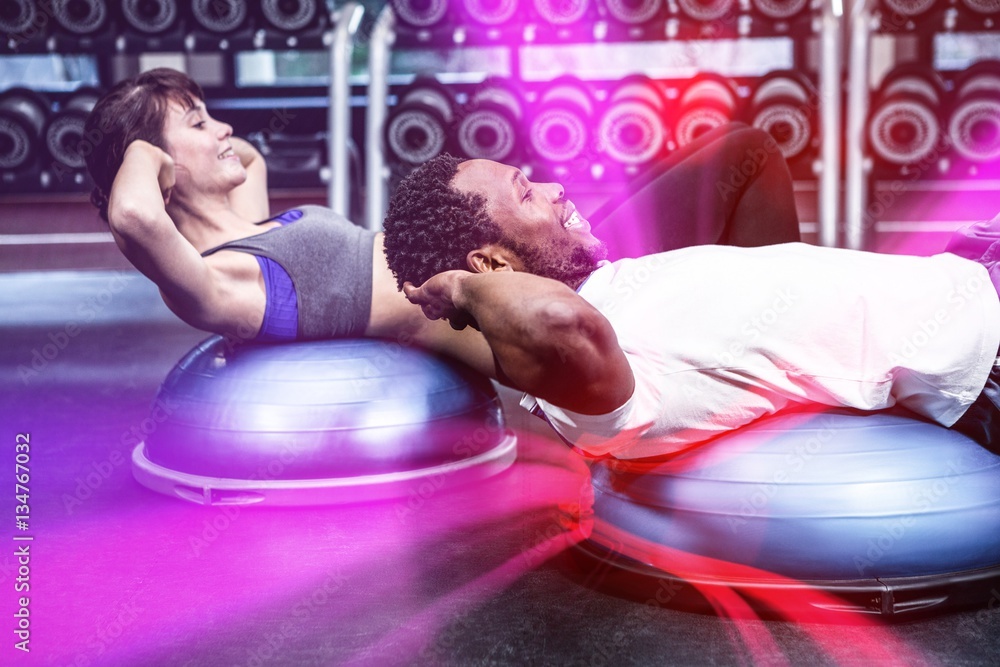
(980,242)
(976,241)
(730,186)
(981,421)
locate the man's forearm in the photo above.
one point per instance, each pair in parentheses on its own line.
(548,340)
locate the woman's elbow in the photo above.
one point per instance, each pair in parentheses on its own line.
(127,216)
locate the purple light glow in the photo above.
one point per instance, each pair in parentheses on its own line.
(370,576)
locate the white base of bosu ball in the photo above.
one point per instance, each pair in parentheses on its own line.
(841,511)
(319,422)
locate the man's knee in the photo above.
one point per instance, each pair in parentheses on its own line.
(758,143)
(981,420)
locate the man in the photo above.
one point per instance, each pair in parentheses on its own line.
(645,357)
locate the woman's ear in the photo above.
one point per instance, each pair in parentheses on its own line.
(489,258)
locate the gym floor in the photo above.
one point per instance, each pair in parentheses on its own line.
(476,575)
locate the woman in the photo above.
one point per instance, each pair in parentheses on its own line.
(187,204)
(186,200)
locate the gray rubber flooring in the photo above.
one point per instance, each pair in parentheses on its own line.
(478,575)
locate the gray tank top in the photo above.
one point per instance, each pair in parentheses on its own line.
(329,260)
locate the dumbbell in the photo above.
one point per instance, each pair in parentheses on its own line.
(19,17)
(974,121)
(707,102)
(635,12)
(81,17)
(150,17)
(908,8)
(905,124)
(291,154)
(490,13)
(559,130)
(982,7)
(490,122)
(779,10)
(220,16)
(291,15)
(706,10)
(23,114)
(783,105)
(64,131)
(418,127)
(631,130)
(421,14)
(561,13)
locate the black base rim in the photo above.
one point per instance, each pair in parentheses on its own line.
(829,601)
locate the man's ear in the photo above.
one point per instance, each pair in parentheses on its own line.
(489,258)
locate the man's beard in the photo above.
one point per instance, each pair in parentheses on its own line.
(561,259)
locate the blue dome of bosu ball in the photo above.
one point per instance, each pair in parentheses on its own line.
(318,422)
(888,514)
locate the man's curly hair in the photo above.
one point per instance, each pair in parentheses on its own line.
(431,227)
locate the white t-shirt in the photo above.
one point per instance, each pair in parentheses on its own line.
(718,336)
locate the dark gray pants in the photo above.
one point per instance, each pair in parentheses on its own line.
(730,186)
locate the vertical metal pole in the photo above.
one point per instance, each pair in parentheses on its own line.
(376,177)
(855,180)
(831,47)
(348,20)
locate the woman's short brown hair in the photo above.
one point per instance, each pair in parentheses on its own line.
(134,109)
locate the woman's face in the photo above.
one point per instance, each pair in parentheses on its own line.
(204,161)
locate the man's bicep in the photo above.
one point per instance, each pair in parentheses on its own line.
(591,373)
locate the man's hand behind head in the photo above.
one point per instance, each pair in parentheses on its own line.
(440,297)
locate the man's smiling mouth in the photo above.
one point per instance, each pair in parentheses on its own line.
(573,219)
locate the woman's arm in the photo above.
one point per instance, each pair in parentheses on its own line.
(149,239)
(547,339)
(250,199)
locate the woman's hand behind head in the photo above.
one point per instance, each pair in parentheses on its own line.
(133,109)
(166,177)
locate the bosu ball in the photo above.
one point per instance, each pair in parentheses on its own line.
(319,422)
(874,513)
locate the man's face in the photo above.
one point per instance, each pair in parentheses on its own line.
(541,226)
